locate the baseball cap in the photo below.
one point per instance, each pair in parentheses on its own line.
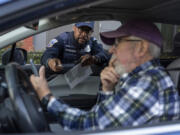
(88,24)
(139,28)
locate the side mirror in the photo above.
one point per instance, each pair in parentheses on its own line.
(19,56)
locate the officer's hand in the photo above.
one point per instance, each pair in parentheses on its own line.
(88,60)
(109,78)
(55,64)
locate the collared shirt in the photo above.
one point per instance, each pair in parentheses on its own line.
(66,48)
(146,95)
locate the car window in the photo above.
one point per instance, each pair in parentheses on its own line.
(36,45)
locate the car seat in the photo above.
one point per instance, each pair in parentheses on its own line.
(174,67)
(174,72)
(19,56)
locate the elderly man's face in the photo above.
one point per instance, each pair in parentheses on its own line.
(118,66)
(123,58)
(82,34)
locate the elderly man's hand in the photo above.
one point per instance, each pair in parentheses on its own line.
(109,78)
(40,84)
(55,64)
(88,60)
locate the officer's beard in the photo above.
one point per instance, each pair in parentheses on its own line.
(82,41)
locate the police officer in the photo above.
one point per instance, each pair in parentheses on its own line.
(73,47)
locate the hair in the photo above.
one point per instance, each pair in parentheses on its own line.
(154,50)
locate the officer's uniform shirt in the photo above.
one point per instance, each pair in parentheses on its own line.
(68,50)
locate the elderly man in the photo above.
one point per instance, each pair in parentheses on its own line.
(74,47)
(135,89)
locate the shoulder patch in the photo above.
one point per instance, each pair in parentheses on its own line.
(52,42)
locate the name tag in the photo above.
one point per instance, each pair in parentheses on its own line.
(70,50)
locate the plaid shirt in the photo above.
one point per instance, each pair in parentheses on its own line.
(146,95)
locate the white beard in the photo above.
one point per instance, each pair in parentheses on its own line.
(119,68)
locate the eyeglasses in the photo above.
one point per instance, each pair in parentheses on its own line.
(118,41)
(86,30)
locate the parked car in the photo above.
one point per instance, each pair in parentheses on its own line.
(20,110)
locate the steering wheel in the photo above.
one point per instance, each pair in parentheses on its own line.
(30,116)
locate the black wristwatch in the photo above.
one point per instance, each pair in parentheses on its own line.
(45,100)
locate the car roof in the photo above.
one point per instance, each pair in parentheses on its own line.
(50,14)
(20,12)
(166,11)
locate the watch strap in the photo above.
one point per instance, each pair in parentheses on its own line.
(45,100)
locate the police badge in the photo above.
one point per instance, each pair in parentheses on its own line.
(52,42)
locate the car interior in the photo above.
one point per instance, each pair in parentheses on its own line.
(16,91)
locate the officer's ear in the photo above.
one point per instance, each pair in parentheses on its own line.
(75,28)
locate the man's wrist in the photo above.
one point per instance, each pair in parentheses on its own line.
(45,100)
(106,89)
(95,59)
(47,63)
(106,92)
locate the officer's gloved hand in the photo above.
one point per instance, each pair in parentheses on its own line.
(88,60)
(55,64)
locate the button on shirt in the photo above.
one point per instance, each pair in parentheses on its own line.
(146,95)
